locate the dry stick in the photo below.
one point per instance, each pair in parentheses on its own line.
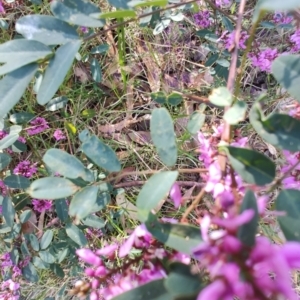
(193,205)
(142,182)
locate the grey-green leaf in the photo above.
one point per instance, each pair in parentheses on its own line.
(46,29)
(236,113)
(221,96)
(252,166)
(94,221)
(46,239)
(77,12)
(8,211)
(47,256)
(101,154)
(5,159)
(61,208)
(96,70)
(17,182)
(82,203)
(57,103)
(34,242)
(57,71)
(29,272)
(18,53)
(195,122)
(21,118)
(155,189)
(163,136)
(13,86)
(67,165)
(52,188)
(75,234)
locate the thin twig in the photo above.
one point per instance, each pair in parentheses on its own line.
(193,205)
(142,182)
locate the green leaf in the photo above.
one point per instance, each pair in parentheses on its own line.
(17,182)
(29,272)
(102,200)
(21,118)
(227,23)
(51,188)
(13,86)
(211,60)
(8,140)
(61,208)
(174,99)
(286,70)
(118,3)
(154,290)
(77,12)
(46,239)
(252,166)
(159,97)
(96,70)
(195,123)
(181,282)
(94,221)
(289,202)
(18,53)
(25,215)
(279,130)
(116,14)
(221,96)
(247,232)
(83,202)
(5,159)
(236,113)
(4,25)
(163,136)
(57,70)
(40,264)
(24,249)
(101,154)
(155,189)
(75,234)
(271,5)
(138,3)
(46,29)
(34,242)
(57,103)
(61,255)
(100,49)
(67,165)
(18,147)
(20,201)
(183,238)
(57,270)
(8,211)
(47,257)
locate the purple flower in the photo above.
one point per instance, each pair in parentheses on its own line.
(221,3)
(295,39)
(38,125)
(59,135)
(41,205)
(3,188)
(229,40)
(107,250)
(2,10)
(84,29)
(282,18)
(175,195)
(139,238)
(263,60)
(3,134)
(25,168)
(202,19)
(89,257)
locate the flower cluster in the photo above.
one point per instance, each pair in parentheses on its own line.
(41,205)
(282,18)
(25,168)
(263,60)
(229,39)
(38,125)
(295,40)
(59,135)
(202,19)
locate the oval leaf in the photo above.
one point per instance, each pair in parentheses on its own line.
(8,211)
(21,118)
(57,103)
(101,154)
(46,239)
(96,70)
(57,71)
(220,97)
(289,202)
(83,202)
(75,234)
(163,136)
(13,86)
(29,272)
(61,208)
(5,159)
(236,113)
(51,188)
(195,123)
(252,166)
(34,242)
(67,165)
(155,189)
(46,29)
(17,182)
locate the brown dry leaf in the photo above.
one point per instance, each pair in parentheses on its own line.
(30,225)
(198,80)
(140,137)
(153,72)
(81,74)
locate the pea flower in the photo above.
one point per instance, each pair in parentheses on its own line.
(38,125)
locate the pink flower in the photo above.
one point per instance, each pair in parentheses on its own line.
(202,19)
(175,195)
(263,60)
(2,10)
(25,168)
(295,39)
(59,135)
(107,250)
(39,125)
(229,40)
(89,257)
(41,205)
(139,238)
